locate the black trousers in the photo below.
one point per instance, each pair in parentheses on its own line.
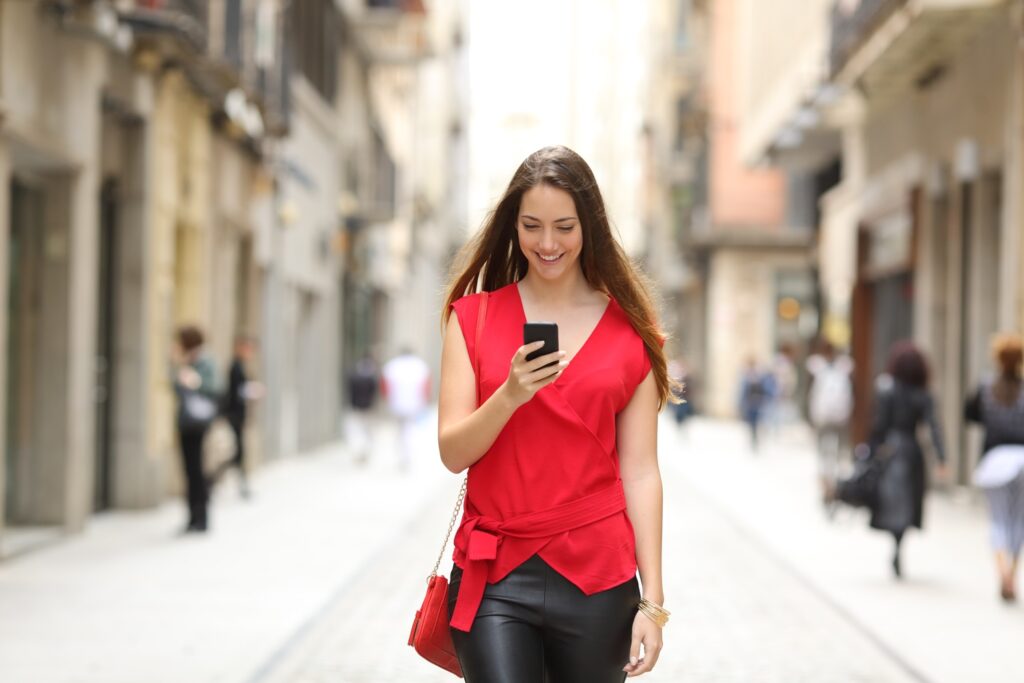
(195,481)
(238,460)
(534,626)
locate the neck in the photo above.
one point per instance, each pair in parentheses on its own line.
(564,290)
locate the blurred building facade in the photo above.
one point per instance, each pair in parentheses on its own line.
(133,138)
(916,109)
(592,97)
(411,215)
(753,243)
(675,175)
(237,164)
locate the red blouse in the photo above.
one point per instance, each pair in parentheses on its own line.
(549,484)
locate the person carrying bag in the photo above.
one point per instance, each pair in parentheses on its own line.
(563,489)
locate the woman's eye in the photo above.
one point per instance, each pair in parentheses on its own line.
(530,227)
(566,228)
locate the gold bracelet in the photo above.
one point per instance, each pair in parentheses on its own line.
(656,613)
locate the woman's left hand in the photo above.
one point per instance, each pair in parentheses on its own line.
(647,633)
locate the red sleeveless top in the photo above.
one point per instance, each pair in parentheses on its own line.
(549,484)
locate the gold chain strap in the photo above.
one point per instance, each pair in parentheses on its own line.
(451,525)
(480,318)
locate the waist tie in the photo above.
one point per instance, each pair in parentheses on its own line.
(485,534)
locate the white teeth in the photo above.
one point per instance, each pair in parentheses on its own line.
(549,258)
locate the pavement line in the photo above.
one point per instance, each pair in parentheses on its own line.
(270,666)
(808,583)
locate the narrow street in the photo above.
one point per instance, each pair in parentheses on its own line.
(739,613)
(317,577)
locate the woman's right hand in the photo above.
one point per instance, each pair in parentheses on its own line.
(527,377)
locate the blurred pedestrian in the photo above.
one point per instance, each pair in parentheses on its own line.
(362,394)
(902,403)
(782,408)
(998,405)
(561,449)
(405,383)
(193,377)
(756,390)
(829,406)
(239,392)
(679,372)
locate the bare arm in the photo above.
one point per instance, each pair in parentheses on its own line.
(637,439)
(466,432)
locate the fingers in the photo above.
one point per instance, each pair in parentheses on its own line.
(545,375)
(525,350)
(649,636)
(634,655)
(650,658)
(526,378)
(538,362)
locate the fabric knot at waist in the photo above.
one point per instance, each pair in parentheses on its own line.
(485,535)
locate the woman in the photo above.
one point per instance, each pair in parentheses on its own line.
(902,402)
(194,384)
(999,406)
(564,497)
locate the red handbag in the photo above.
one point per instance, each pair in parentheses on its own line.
(431,636)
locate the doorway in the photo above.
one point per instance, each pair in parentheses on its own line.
(23,311)
(106,328)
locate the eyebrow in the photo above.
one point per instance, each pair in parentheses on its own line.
(557,220)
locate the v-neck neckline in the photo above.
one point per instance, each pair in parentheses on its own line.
(591,335)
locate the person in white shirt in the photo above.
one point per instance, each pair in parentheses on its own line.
(405,381)
(830,405)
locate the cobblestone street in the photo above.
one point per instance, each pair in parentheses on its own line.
(316,580)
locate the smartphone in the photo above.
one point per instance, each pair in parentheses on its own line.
(541,331)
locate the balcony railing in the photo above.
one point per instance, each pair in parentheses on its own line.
(249,53)
(851,28)
(188,18)
(402,5)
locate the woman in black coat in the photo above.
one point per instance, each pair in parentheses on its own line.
(902,403)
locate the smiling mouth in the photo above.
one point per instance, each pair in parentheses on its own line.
(549,259)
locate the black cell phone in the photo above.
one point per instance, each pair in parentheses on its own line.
(541,331)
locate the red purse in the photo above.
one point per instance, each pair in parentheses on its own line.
(431,636)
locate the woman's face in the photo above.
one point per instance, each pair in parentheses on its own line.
(550,235)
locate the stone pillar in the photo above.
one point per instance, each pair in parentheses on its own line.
(5,231)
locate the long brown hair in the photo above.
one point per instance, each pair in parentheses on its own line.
(492,258)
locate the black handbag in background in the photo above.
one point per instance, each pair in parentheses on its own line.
(860,489)
(197,411)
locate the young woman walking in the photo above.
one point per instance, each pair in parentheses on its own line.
(902,402)
(998,406)
(564,495)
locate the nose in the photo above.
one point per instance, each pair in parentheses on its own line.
(547,240)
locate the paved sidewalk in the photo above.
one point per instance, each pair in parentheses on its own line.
(740,616)
(763,587)
(129,601)
(943,620)
(316,580)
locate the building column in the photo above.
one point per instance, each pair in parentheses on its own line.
(5,231)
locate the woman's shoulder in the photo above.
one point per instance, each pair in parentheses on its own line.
(468,306)
(620,317)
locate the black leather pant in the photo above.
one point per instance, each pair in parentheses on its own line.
(534,626)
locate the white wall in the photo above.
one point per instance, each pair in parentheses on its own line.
(563,72)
